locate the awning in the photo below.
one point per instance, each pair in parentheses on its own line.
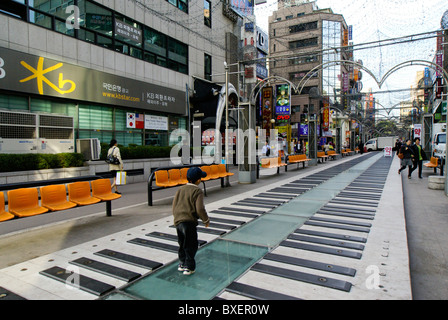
(436,108)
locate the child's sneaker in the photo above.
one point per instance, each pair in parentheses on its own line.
(181,268)
(188,272)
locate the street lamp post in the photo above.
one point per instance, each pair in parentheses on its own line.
(227,181)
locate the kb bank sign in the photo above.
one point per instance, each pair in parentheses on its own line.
(26,73)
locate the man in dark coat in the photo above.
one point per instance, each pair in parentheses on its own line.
(419,157)
(408,154)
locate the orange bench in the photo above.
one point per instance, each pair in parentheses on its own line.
(54,198)
(322,156)
(24,202)
(300,158)
(347,152)
(79,193)
(4,215)
(270,163)
(332,154)
(434,163)
(169,178)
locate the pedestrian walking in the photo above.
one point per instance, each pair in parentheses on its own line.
(408,154)
(266,151)
(188,207)
(398,145)
(419,157)
(115,162)
(361,147)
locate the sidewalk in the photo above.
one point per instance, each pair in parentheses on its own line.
(427,225)
(26,252)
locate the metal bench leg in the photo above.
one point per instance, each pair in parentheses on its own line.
(109,208)
(205,190)
(149,196)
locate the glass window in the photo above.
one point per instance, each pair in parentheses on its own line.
(41,19)
(121,47)
(13,103)
(303,27)
(207,67)
(177,51)
(181,4)
(16,11)
(128,31)
(95,18)
(53,7)
(105,42)
(103,136)
(303,43)
(61,27)
(95,117)
(156,138)
(207,13)
(127,138)
(86,35)
(155,42)
(136,53)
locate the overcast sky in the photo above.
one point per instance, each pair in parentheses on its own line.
(379,20)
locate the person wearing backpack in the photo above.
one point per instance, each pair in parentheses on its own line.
(115,162)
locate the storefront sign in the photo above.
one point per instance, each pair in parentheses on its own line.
(388,152)
(135,121)
(32,74)
(128,31)
(266,107)
(156,123)
(283,104)
(326,118)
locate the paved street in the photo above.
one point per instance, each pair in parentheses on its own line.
(33,245)
(427,222)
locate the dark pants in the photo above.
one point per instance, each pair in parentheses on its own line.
(419,164)
(188,244)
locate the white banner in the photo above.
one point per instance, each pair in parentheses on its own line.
(156,123)
(418,131)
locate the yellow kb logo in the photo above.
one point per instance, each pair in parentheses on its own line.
(39,75)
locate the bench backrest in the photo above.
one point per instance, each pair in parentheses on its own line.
(174,175)
(222,168)
(2,202)
(435,161)
(161,176)
(101,187)
(183,175)
(331,152)
(23,199)
(51,195)
(267,162)
(321,153)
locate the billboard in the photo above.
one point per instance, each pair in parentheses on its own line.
(26,73)
(266,107)
(283,102)
(243,7)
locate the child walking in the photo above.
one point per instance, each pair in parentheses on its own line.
(188,207)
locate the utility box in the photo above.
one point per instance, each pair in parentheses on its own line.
(90,148)
(24,132)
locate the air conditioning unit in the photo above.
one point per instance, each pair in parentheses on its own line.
(54,146)
(90,148)
(18,146)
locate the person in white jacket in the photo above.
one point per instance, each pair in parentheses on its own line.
(114,168)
